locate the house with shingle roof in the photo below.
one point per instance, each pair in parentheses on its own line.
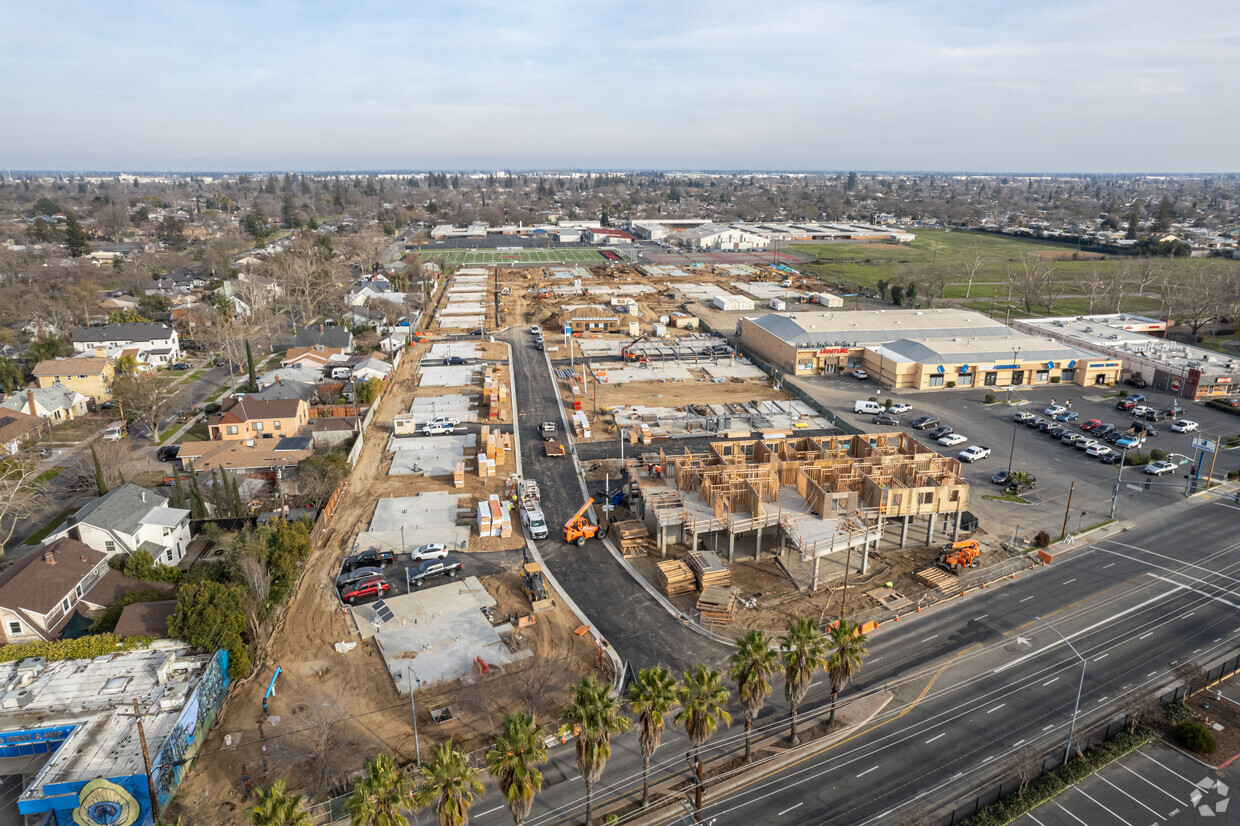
(40,592)
(131,518)
(251,418)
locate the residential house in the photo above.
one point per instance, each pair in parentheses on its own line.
(335,336)
(303,372)
(146,619)
(250,418)
(118,302)
(56,403)
(39,592)
(156,342)
(131,518)
(282,388)
(17,429)
(593,320)
(273,461)
(92,377)
(319,356)
(371,367)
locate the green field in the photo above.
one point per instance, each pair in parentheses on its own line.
(465,258)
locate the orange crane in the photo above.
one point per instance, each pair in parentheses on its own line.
(627,356)
(578,528)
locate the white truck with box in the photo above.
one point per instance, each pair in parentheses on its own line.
(532,518)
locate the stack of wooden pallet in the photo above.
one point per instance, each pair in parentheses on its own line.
(936,577)
(632,536)
(458,475)
(675,577)
(716,605)
(709,570)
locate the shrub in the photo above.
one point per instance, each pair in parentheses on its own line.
(887,403)
(141,565)
(1042,540)
(212,408)
(1132,459)
(950,384)
(1123,394)
(1054,379)
(1195,737)
(1219,404)
(81,648)
(990,398)
(1177,712)
(1157,455)
(873,398)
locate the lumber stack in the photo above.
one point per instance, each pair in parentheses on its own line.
(709,570)
(494,519)
(936,577)
(458,475)
(675,578)
(493,447)
(494,392)
(716,605)
(632,536)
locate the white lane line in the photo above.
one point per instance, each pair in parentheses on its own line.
(1226,602)
(1100,623)
(1195,650)
(1069,582)
(1034,819)
(936,737)
(1130,797)
(1026,599)
(867,771)
(1146,634)
(982,617)
(988,759)
(1100,656)
(1147,781)
(1104,567)
(811,685)
(1069,814)
(1017,743)
(1048,728)
(996,708)
(790,808)
(1103,699)
(488,811)
(1107,809)
(1186,616)
(1048,682)
(932,636)
(1151,674)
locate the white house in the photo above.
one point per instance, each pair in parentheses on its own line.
(719,237)
(56,403)
(371,367)
(130,518)
(157,343)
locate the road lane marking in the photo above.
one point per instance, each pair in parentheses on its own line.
(996,708)
(790,808)
(488,811)
(1146,634)
(1026,599)
(1048,682)
(867,771)
(988,759)
(1226,602)
(1104,567)
(1146,780)
(1195,650)
(936,737)
(1100,656)
(982,617)
(1103,699)
(1177,774)
(1130,797)
(1034,819)
(1151,674)
(1017,743)
(1048,728)
(1069,582)
(1096,625)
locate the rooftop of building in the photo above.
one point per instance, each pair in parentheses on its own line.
(1014,348)
(37,582)
(89,366)
(126,508)
(862,327)
(142,331)
(1118,334)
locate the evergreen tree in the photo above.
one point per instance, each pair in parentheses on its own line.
(851,183)
(249,360)
(178,493)
(75,237)
(197,507)
(1162,223)
(1131,235)
(101,482)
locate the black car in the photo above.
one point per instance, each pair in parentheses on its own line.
(1135,381)
(357,575)
(886,418)
(538,345)
(1004,477)
(1057,432)
(1046,427)
(940,432)
(1156,415)
(456,360)
(180,365)
(448,566)
(375,558)
(924,422)
(1102,430)
(1113,437)
(1035,422)
(168,453)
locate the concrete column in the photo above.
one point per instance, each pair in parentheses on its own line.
(693,547)
(757,544)
(662,542)
(814,582)
(731,545)
(956,527)
(930,529)
(904,532)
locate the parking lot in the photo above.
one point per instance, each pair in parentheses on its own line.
(1055,465)
(1155,784)
(473,563)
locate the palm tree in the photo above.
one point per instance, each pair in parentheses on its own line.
(595,714)
(805,652)
(449,784)
(652,696)
(752,665)
(703,698)
(847,645)
(276,807)
(379,798)
(514,761)
(126,365)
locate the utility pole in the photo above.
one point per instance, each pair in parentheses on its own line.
(847,566)
(146,762)
(413,704)
(1067,507)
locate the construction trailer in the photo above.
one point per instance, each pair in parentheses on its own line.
(818,502)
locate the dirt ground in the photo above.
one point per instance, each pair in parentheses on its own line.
(334,709)
(1209,711)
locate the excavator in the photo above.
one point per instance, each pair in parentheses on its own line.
(957,555)
(630,356)
(578,528)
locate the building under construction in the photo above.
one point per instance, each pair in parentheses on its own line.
(816,501)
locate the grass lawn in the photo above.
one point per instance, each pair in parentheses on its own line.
(1007,497)
(41,534)
(49,474)
(195,376)
(198,433)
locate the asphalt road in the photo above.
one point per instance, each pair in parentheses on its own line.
(975,680)
(639,629)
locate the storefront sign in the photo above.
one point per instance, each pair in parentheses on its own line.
(833,351)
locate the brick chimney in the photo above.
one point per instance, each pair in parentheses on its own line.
(30,401)
(49,557)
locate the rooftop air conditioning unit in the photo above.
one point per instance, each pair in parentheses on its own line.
(32,665)
(17,699)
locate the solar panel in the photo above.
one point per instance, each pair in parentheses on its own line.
(382,612)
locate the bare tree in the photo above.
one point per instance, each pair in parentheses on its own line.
(20,494)
(144,398)
(1141,708)
(369,251)
(970,264)
(326,744)
(1193,676)
(1027,763)
(1096,283)
(1203,294)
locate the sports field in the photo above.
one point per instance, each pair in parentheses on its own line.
(464,258)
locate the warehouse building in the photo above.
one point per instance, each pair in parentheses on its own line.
(920,349)
(720,237)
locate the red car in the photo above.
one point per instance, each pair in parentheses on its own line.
(374,586)
(1091,424)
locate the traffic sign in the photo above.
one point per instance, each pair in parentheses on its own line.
(1204,445)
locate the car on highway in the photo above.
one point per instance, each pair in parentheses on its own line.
(1022,416)
(1102,429)
(438,429)
(924,422)
(1054,410)
(1159,468)
(433,550)
(973,453)
(885,418)
(940,432)
(1135,380)
(372,587)
(448,566)
(1098,451)
(1091,424)
(1067,416)
(953,439)
(1129,442)
(1072,438)
(374,557)
(899,407)
(1184,426)
(860,374)
(357,575)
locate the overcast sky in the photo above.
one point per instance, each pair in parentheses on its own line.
(1078,85)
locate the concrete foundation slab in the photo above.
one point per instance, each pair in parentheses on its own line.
(427,517)
(463,308)
(461,322)
(727,369)
(439,375)
(654,372)
(429,455)
(428,407)
(447,349)
(436,635)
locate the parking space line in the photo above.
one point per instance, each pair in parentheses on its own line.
(1069,814)
(1168,768)
(1146,780)
(1106,809)
(1034,819)
(1130,797)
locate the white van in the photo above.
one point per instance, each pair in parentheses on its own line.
(342,372)
(867,407)
(115,432)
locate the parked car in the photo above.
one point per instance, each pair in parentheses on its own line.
(357,575)
(940,432)
(953,439)
(1098,451)
(1135,380)
(860,374)
(1005,478)
(1113,437)
(1153,415)
(1125,404)
(1150,430)
(375,557)
(448,566)
(924,422)
(168,453)
(1068,416)
(1035,422)
(1057,432)
(434,550)
(180,365)
(1127,442)
(1054,410)
(1102,429)
(1138,397)
(899,407)
(1159,468)
(1139,411)
(449,420)
(440,429)
(456,360)
(1113,458)
(1022,416)
(536,330)
(538,345)
(1046,425)
(1091,424)
(372,587)
(886,418)
(1086,444)
(1072,438)
(972,453)
(1184,426)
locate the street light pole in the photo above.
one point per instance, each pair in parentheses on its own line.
(1012,450)
(1123,457)
(1067,752)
